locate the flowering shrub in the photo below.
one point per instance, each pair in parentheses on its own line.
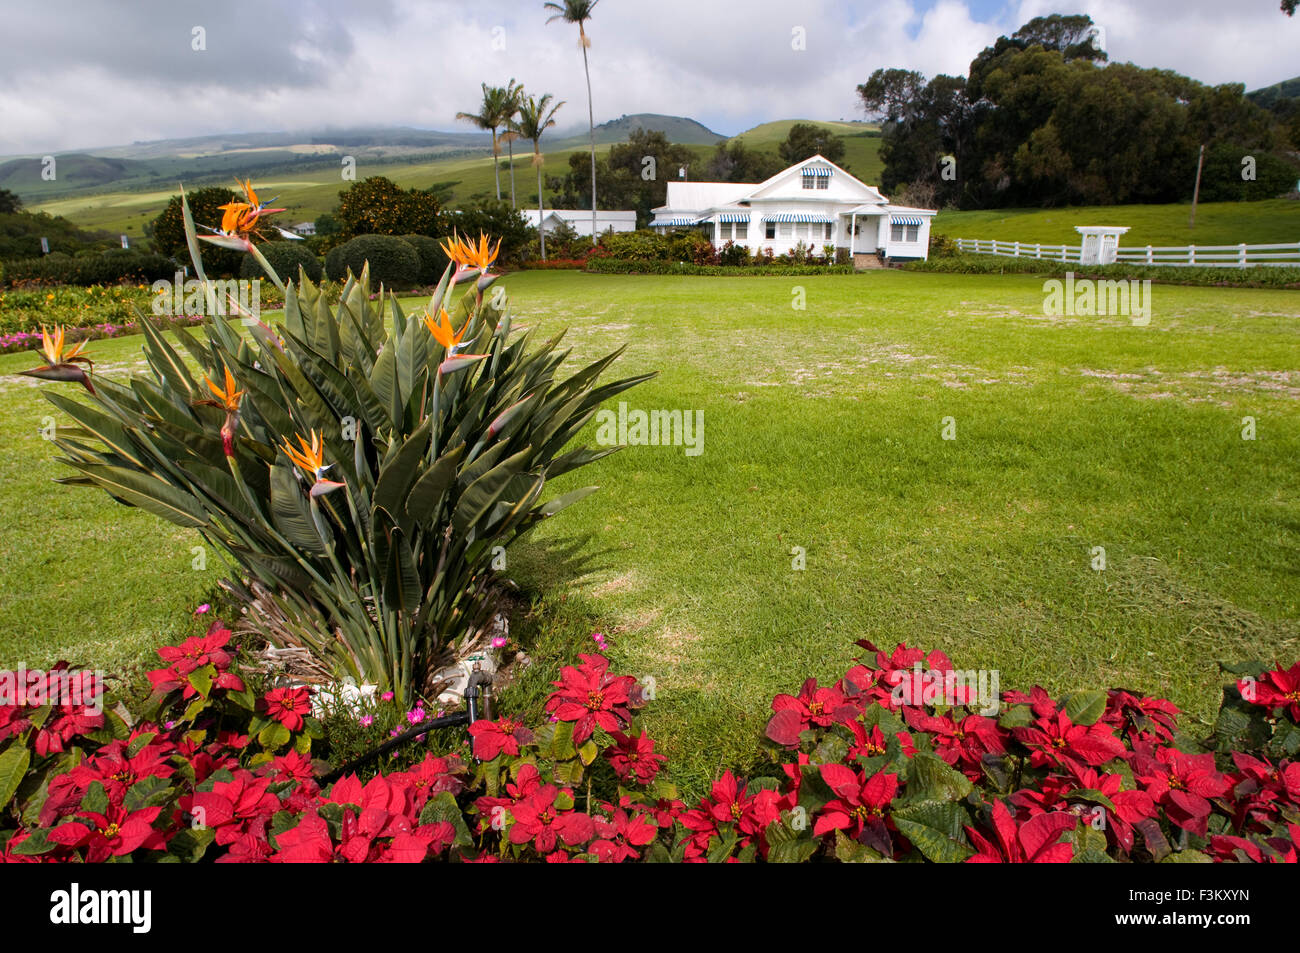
(216,771)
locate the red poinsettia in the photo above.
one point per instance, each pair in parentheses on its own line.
(589,696)
(861,805)
(192,654)
(538,821)
(1056,740)
(619,836)
(729,802)
(1279,688)
(493,737)
(814,706)
(114,833)
(287,706)
(1262,789)
(431,776)
(962,744)
(1181,784)
(1054,794)
(1036,841)
(1143,717)
(234,808)
(307,843)
(634,757)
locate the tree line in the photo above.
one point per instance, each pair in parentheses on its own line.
(1042,119)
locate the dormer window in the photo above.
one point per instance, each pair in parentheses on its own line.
(809,180)
(816,177)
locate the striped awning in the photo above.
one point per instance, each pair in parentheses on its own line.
(733,217)
(671,222)
(906,220)
(802,217)
(821,171)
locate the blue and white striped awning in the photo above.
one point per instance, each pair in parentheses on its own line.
(671,222)
(801,217)
(733,217)
(906,220)
(821,171)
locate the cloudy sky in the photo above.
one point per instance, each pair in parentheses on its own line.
(76,74)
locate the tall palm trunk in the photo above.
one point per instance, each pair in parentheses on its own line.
(541,226)
(510,145)
(591,130)
(496,161)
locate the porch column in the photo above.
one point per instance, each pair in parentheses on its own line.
(853,235)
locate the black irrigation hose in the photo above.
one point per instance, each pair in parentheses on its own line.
(472,695)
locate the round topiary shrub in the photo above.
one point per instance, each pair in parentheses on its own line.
(335,270)
(433,260)
(393,262)
(285,257)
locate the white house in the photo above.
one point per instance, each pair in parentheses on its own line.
(580,220)
(814,202)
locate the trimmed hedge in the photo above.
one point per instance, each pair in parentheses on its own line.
(285,257)
(1258,277)
(617,266)
(394,263)
(116,266)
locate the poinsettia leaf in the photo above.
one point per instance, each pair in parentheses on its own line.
(13,766)
(140,743)
(38,842)
(1092,856)
(1188,857)
(936,828)
(95,800)
(930,778)
(723,847)
(273,736)
(150,791)
(849,851)
(1016,716)
(787,846)
(1084,708)
(443,807)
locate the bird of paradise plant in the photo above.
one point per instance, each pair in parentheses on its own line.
(62,366)
(383,568)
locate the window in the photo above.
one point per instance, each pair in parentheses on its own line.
(802,231)
(787,230)
(829,231)
(823,182)
(913,232)
(904,233)
(742,230)
(770,231)
(809,181)
(724,231)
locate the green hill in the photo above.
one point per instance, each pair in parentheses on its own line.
(677,128)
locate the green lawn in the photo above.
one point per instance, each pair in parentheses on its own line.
(822,431)
(1217,223)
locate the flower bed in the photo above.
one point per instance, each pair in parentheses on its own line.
(217,771)
(618,266)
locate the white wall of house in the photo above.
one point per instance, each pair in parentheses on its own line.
(824,201)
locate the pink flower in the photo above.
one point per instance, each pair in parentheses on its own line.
(367,720)
(387,696)
(499,642)
(202,609)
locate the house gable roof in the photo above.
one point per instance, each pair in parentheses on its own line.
(785,186)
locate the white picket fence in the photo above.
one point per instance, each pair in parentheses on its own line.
(1203,256)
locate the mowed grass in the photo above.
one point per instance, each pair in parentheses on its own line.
(823,430)
(1217,223)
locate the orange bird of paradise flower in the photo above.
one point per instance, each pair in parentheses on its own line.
(227,400)
(61,366)
(240,219)
(470,256)
(311,457)
(441,330)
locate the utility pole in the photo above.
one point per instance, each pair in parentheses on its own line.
(1196,193)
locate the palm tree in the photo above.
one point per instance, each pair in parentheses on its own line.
(535,117)
(579,12)
(492,115)
(514,93)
